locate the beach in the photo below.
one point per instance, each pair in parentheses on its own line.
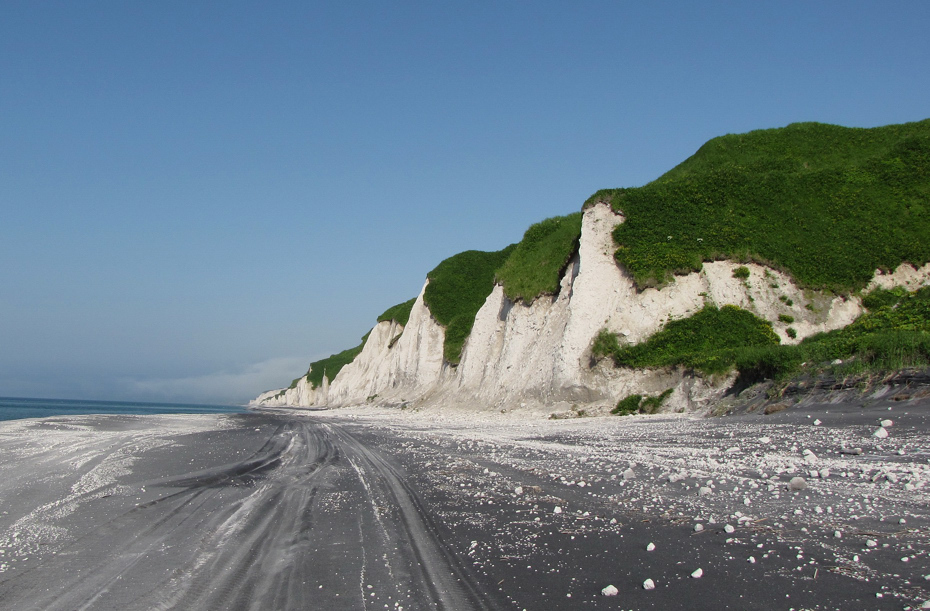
(383,509)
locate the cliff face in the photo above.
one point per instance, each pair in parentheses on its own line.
(538,355)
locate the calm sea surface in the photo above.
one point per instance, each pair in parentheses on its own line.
(12,408)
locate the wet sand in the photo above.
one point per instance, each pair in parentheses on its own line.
(367,509)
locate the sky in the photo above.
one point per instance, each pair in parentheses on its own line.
(198,199)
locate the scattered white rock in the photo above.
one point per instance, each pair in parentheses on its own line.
(629,474)
(649,585)
(697,574)
(837,534)
(698,528)
(751,560)
(871,543)
(902,521)
(729,529)
(704,491)
(557,509)
(886,423)
(610,591)
(650,547)
(518,490)
(817,422)
(853,451)
(797,483)
(881,433)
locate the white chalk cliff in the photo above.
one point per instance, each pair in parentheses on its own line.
(538,355)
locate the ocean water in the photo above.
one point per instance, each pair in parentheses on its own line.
(16,408)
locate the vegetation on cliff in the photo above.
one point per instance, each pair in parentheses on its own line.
(456,291)
(331,365)
(535,266)
(827,204)
(399,313)
(893,334)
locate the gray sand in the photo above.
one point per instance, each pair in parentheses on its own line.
(365,509)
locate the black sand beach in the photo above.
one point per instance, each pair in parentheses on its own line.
(362,509)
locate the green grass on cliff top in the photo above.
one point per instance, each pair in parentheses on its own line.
(827,204)
(535,267)
(459,286)
(456,291)
(399,313)
(331,365)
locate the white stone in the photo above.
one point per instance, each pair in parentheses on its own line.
(698,528)
(729,529)
(886,423)
(697,574)
(881,432)
(610,591)
(649,585)
(650,547)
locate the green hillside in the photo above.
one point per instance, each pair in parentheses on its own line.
(456,291)
(827,204)
(535,267)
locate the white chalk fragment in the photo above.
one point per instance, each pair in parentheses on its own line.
(650,547)
(697,574)
(629,474)
(729,529)
(751,560)
(704,491)
(881,432)
(797,483)
(886,423)
(698,528)
(817,422)
(649,585)
(610,591)
(557,509)
(518,490)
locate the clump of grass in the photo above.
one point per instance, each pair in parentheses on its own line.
(792,332)
(399,313)
(627,405)
(792,198)
(456,291)
(741,272)
(535,267)
(641,404)
(786,318)
(706,341)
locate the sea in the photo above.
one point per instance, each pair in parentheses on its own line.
(16,408)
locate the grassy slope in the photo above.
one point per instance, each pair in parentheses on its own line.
(331,365)
(399,313)
(707,341)
(535,267)
(456,291)
(893,334)
(828,204)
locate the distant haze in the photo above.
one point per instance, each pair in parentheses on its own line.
(199,199)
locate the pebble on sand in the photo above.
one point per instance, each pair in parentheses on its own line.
(649,585)
(797,483)
(650,547)
(610,591)
(698,574)
(557,509)
(880,432)
(698,528)
(886,423)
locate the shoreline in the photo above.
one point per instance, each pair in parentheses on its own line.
(481,493)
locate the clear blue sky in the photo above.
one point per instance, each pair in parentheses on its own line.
(199,198)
